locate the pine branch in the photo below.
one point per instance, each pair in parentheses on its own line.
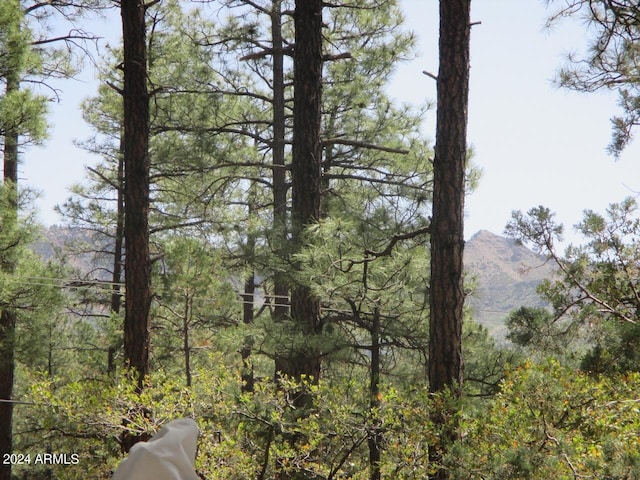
(358,143)
(397,238)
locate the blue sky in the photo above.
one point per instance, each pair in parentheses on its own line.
(535,144)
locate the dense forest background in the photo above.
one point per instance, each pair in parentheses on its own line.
(269,245)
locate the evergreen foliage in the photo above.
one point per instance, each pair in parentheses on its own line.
(22,112)
(548,421)
(609,60)
(595,296)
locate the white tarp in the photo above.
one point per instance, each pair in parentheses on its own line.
(169,455)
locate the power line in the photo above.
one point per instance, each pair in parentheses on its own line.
(106,286)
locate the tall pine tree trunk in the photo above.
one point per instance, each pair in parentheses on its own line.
(118,248)
(248,300)
(280,284)
(187,313)
(306,173)
(375,439)
(136,191)
(302,360)
(447,227)
(137,271)
(9,217)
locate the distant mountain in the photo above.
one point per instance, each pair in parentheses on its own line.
(506,276)
(53,239)
(76,247)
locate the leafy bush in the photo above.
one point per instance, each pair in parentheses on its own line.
(550,421)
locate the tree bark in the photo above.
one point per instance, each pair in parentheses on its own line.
(136,195)
(306,173)
(248,298)
(374,441)
(116,278)
(280,284)
(7,264)
(302,360)
(186,341)
(447,227)
(137,270)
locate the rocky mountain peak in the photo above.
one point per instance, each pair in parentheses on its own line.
(504,276)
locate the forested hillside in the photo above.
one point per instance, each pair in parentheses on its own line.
(502,274)
(272,246)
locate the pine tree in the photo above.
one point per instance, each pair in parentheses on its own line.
(446,290)
(136,188)
(21,114)
(594,296)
